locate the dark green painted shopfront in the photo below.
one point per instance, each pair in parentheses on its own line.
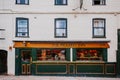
(63,58)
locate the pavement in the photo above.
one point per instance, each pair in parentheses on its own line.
(4,77)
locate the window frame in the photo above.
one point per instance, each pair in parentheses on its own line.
(61,3)
(55,31)
(99,4)
(22,3)
(20,18)
(101,54)
(103,27)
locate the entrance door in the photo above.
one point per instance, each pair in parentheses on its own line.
(3,62)
(118,53)
(25,62)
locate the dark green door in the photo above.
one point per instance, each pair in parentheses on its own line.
(25,62)
(118,53)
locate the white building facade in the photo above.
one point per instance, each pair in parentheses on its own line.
(38,30)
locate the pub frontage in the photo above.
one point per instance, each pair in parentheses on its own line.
(63,58)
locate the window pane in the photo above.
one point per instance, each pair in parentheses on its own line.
(98,31)
(96,23)
(22,1)
(98,2)
(60,27)
(99,23)
(22,34)
(26,1)
(22,23)
(60,32)
(102,2)
(51,54)
(60,2)
(18,1)
(61,24)
(89,54)
(64,2)
(22,27)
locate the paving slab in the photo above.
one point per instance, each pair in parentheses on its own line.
(53,78)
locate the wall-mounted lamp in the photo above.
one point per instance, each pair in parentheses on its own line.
(24,43)
(10,48)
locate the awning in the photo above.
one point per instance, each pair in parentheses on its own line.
(55,44)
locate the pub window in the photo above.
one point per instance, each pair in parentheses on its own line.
(22,27)
(60,2)
(99,2)
(98,28)
(90,54)
(25,55)
(26,2)
(51,54)
(61,27)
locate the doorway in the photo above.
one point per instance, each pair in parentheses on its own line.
(25,62)
(3,62)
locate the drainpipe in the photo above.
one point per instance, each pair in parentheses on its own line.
(81,4)
(71,54)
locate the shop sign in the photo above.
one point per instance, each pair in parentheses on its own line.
(61,45)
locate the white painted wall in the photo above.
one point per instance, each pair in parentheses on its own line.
(42,25)
(6,22)
(49,6)
(79,27)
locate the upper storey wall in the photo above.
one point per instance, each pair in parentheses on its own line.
(49,6)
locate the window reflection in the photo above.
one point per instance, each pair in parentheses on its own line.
(51,54)
(25,56)
(89,54)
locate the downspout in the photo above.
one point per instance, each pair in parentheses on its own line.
(81,4)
